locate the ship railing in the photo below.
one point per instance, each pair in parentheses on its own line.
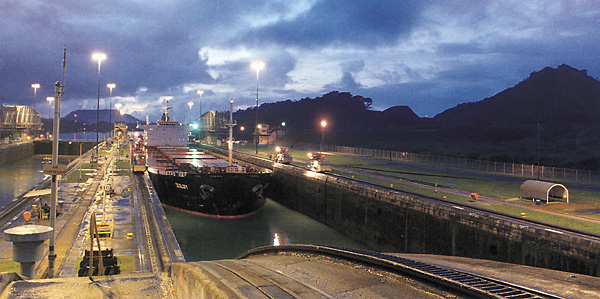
(236,169)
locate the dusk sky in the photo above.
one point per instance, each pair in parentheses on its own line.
(428,55)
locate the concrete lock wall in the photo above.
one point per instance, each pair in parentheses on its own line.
(12,152)
(394,222)
(390,221)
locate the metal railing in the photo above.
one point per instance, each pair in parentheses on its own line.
(522,170)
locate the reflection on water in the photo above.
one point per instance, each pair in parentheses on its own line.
(84,136)
(20,176)
(206,238)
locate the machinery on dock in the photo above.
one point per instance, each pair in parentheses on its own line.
(138,155)
(283,156)
(317,162)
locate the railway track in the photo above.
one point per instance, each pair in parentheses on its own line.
(154,251)
(463,282)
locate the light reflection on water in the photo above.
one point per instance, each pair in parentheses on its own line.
(20,176)
(207,238)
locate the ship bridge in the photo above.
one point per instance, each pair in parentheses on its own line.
(18,122)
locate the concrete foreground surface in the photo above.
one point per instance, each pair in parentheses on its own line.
(293,274)
(119,286)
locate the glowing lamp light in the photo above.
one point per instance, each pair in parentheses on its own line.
(258,65)
(98,56)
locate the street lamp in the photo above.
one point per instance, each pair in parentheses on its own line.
(99,57)
(190,103)
(49,99)
(323,125)
(35,86)
(110,86)
(200,93)
(257,65)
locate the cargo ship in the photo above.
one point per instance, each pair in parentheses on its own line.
(187,178)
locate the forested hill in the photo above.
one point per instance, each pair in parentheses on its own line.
(343,112)
(557,109)
(563,96)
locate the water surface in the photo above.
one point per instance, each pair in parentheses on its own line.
(206,238)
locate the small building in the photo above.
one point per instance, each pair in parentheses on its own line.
(532,189)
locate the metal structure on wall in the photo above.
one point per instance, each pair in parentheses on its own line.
(18,122)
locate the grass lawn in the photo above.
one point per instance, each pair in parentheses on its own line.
(10,266)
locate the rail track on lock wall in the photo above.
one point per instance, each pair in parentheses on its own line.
(153,254)
(465,283)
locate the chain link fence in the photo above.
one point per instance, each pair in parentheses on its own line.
(522,170)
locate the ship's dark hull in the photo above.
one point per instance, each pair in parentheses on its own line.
(224,194)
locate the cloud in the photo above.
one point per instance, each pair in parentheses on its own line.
(356,23)
(430,54)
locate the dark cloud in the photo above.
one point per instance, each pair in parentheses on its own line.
(429,55)
(356,23)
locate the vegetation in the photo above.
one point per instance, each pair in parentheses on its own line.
(555,110)
(9,266)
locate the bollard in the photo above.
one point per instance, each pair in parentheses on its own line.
(28,245)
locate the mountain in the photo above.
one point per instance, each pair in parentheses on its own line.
(562,96)
(347,117)
(106,115)
(555,109)
(80,120)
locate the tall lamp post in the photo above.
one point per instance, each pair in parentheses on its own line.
(110,87)
(118,106)
(99,57)
(257,65)
(323,125)
(190,103)
(200,93)
(49,99)
(35,86)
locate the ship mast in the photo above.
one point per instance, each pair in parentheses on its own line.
(230,125)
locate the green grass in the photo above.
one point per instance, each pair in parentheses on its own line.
(123,165)
(9,266)
(546,217)
(74,176)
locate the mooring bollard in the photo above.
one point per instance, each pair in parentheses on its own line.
(28,245)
